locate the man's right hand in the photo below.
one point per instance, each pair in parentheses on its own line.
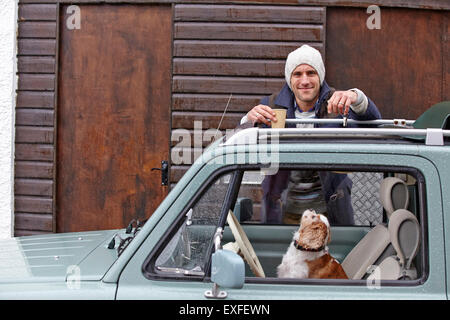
(261,114)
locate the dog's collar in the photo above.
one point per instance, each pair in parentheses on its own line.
(299,247)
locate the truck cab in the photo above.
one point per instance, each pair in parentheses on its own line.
(210,239)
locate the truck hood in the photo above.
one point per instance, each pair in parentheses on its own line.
(55,257)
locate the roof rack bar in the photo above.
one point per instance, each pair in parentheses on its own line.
(348,131)
(399,122)
(253,135)
(302,132)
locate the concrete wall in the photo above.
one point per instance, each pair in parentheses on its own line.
(8,84)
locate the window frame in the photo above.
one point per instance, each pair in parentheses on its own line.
(421,215)
(149,270)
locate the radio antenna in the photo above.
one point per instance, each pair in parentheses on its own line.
(223,115)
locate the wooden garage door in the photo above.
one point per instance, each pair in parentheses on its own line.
(402,67)
(113,114)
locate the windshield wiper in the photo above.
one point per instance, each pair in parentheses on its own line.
(124,242)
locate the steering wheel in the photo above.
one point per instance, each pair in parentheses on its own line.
(244,245)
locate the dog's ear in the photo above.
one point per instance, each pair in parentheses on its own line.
(325,220)
(323,234)
(329,235)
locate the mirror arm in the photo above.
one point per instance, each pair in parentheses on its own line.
(218,239)
(215,292)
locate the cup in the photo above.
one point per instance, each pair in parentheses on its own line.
(280,114)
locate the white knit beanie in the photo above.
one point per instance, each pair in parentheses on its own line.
(304,55)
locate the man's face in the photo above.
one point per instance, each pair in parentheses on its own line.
(305,83)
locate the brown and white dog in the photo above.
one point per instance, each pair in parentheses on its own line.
(307,255)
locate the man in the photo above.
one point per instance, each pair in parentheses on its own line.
(307,95)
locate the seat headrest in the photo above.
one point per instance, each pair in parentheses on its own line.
(394,195)
(404,231)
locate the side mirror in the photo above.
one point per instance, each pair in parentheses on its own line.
(228,271)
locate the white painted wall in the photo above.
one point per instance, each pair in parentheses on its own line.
(8,85)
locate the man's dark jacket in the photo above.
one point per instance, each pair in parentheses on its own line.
(336,187)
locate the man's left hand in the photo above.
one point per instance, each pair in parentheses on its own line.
(340,101)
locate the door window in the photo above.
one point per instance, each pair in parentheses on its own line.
(187,251)
(270,212)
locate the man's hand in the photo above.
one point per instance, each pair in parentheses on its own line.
(261,113)
(340,101)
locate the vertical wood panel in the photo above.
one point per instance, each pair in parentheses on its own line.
(398,66)
(113,125)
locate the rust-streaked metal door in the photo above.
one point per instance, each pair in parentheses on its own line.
(113,114)
(402,66)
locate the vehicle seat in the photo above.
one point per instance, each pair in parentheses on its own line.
(404,231)
(377,244)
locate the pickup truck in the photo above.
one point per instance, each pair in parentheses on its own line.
(209,238)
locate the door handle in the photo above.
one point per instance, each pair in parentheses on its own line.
(164,172)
